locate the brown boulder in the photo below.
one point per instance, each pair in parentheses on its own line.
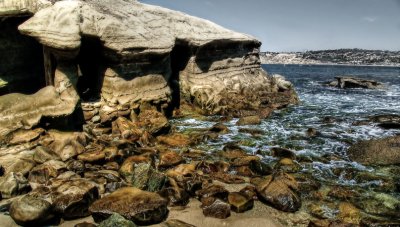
(280,191)
(72,198)
(136,205)
(240,202)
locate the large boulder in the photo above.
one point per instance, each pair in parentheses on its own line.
(136,205)
(30,211)
(385,151)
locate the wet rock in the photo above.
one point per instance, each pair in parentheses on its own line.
(349,214)
(215,191)
(250,191)
(322,210)
(240,202)
(181,170)
(219,128)
(280,191)
(228,178)
(307,183)
(343,193)
(252,131)
(346,82)
(216,208)
(116,220)
(153,122)
(328,120)
(245,160)
(126,129)
(13,184)
(128,166)
(176,196)
(175,140)
(206,167)
(50,169)
(384,151)
(43,155)
(139,206)
(146,177)
(109,175)
(92,156)
(75,166)
(111,166)
(232,151)
(176,223)
(312,132)
(288,166)
(65,144)
(110,153)
(249,120)
(24,136)
(380,204)
(283,153)
(169,158)
(30,211)
(72,198)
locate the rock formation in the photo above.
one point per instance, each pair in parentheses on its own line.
(123,54)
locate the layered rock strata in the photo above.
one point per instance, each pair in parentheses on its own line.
(124,54)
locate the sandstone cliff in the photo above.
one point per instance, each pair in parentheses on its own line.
(123,54)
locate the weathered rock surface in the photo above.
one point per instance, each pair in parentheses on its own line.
(136,205)
(30,211)
(384,151)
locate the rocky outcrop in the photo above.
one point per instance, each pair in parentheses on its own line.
(345,82)
(126,54)
(384,151)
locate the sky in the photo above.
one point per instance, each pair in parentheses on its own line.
(301,25)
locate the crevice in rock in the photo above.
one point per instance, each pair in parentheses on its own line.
(91,65)
(180,56)
(21,59)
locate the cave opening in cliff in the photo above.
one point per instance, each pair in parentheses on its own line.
(180,56)
(21,59)
(91,65)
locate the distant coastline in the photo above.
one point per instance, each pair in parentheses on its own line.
(352,57)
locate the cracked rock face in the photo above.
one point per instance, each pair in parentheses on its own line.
(127,54)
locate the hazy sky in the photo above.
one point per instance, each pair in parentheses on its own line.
(298,25)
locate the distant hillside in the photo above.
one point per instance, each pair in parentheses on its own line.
(340,56)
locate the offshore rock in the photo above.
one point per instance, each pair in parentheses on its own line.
(384,151)
(345,82)
(136,205)
(30,211)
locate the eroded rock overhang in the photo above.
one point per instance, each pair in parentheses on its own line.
(124,53)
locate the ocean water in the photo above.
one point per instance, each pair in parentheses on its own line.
(323,157)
